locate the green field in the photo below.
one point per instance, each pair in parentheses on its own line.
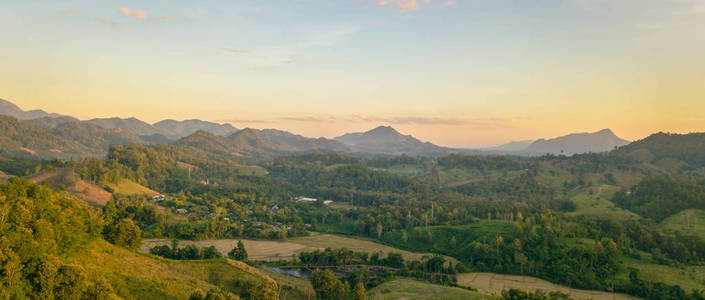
(687,277)
(409,289)
(494,284)
(687,222)
(441,236)
(598,204)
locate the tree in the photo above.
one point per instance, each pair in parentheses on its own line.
(70,282)
(239,252)
(124,233)
(359,292)
(327,286)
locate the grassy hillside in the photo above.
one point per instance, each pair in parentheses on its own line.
(689,222)
(409,289)
(4,177)
(492,283)
(687,277)
(140,276)
(65,179)
(129,187)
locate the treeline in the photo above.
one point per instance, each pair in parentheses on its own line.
(189,252)
(633,235)
(659,197)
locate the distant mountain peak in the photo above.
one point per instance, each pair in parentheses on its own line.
(605,131)
(387,140)
(384,129)
(577,143)
(8,108)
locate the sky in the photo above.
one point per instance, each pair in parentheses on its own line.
(463,73)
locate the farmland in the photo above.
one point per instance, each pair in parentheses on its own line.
(495,283)
(275,250)
(412,289)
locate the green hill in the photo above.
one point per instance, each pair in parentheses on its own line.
(687,148)
(689,221)
(411,289)
(51,246)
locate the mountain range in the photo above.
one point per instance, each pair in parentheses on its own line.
(600,141)
(51,135)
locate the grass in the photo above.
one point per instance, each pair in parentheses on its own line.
(292,288)
(129,187)
(256,249)
(139,276)
(409,289)
(356,244)
(4,177)
(687,277)
(594,201)
(441,236)
(286,249)
(688,222)
(495,283)
(66,179)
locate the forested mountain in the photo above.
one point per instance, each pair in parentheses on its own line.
(687,149)
(179,129)
(8,108)
(250,142)
(386,140)
(24,139)
(53,122)
(95,137)
(132,124)
(66,140)
(298,143)
(600,141)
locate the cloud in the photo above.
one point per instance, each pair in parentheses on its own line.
(72,11)
(134,13)
(311,119)
(410,120)
(409,5)
(244,121)
(143,15)
(236,51)
(109,23)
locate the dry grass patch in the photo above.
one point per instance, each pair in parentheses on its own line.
(287,249)
(335,241)
(256,249)
(495,283)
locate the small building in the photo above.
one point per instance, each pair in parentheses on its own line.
(181,211)
(327,202)
(305,199)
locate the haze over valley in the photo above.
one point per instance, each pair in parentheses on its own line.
(352,150)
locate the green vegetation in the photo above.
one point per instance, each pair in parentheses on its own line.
(658,198)
(51,246)
(688,222)
(412,289)
(628,220)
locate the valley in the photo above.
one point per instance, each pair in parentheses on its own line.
(380,213)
